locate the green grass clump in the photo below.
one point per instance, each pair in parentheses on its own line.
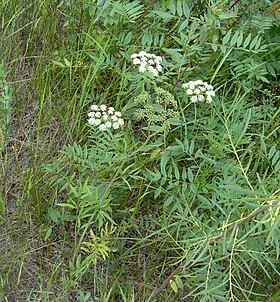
(181,202)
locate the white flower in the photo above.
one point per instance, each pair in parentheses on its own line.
(91,121)
(102,127)
(194,99)
(142,54)
(142,68)
(208,87)
(150,55)
(121,121)
(199,91)
(116,125)
(108,125)
(157,61)
(159,68)
(155,72)
(159,58)
(106,118)
(201,98)
(103,107)
(94,107)
(210,93)
(136,61)
(114,118)
(147,62)
(97,122)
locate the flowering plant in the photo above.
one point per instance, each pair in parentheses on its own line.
(105,117)
(148,62)
(199,91)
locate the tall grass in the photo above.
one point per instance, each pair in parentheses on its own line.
(180,204)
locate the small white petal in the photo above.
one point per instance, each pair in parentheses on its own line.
(108,125)
(105,117)
(197,91)
(114,118)
(201,98)
(97,122)
(103,107)
(136,61)
(142,54)
(94,107)
(210,93)
(91,121)
(102,127)
(97,114)
(116,125)
(151,62)
(142,68)
(159,58)
(121,121)
(155,72)
(189,92)
(194,99)
(159,68)
(91,114)
(118,113)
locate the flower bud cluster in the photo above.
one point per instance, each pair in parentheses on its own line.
(165,98)
(147,62)
(199,91)
(105,118)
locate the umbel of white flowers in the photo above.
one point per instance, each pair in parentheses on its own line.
(147,62)
(105,118)
(199,91)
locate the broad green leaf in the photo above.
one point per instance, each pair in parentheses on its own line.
(190,175)
(247,40)
(233,40)
(240,38)
(179,9)
(173,286)
(227,37)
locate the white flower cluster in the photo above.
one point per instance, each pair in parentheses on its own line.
(148,62)
(199,91)
(105,118)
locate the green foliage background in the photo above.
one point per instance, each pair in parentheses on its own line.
(145,214)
